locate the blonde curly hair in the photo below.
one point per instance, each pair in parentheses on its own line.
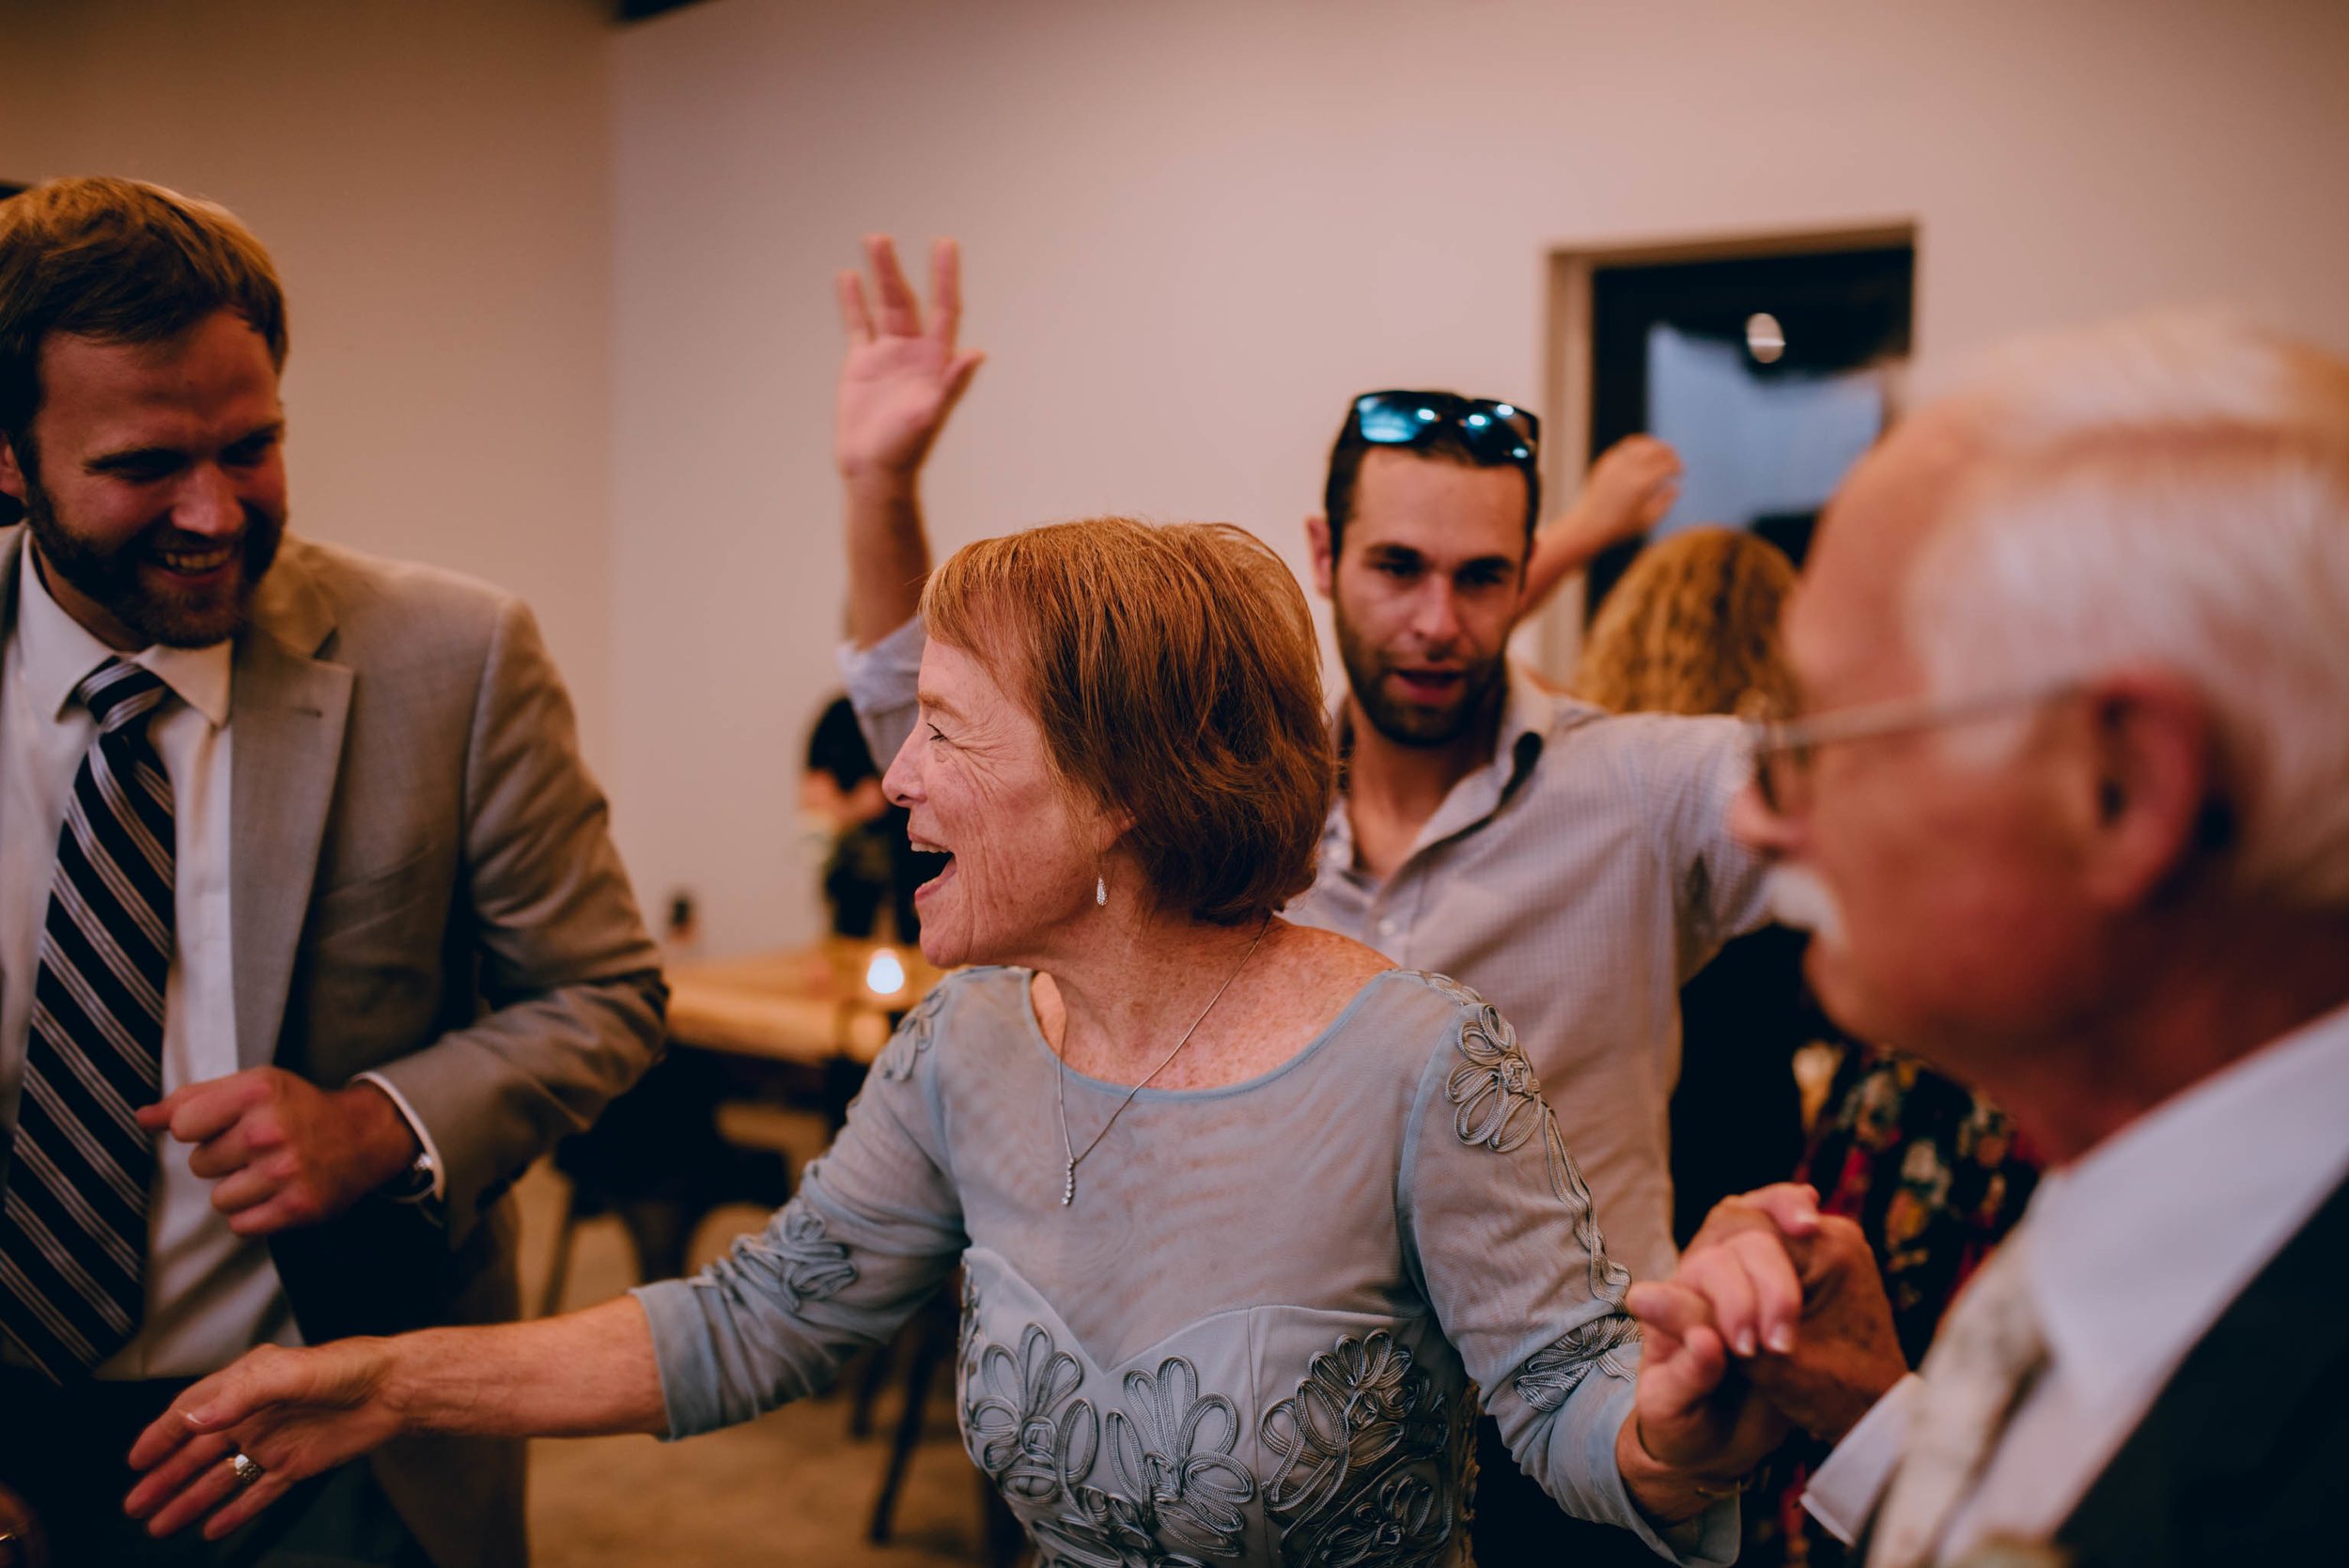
(1691,628)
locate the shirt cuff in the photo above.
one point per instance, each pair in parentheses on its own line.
(883,681)
(690,1361)
(415,1125)
(888,667)
(1845,1491)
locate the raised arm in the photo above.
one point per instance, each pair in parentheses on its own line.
(1626,493)
(899,380)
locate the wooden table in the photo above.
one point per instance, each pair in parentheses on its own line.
(808,1006)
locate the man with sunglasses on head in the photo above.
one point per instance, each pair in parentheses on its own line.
(1571,865)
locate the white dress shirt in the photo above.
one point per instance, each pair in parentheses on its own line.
(210,1294)
(2132,1253)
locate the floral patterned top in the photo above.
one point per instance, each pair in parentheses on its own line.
(1935,1176)
(1255,1336)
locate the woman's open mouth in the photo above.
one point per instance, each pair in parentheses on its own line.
(924,846)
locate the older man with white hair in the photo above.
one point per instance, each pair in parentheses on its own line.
(2070,794)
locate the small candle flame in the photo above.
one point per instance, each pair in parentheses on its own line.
(885,975)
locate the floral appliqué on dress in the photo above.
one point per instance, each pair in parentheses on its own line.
(903,1054)
(1364,1459)
(1176,1488)
(1497,1103)
(793,1258)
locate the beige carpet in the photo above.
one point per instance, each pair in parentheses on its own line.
(790,1489)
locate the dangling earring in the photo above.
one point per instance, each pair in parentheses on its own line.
(1100,891)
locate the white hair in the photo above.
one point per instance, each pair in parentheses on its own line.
(2173,493)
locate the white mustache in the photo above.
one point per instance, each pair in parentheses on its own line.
(1798,897)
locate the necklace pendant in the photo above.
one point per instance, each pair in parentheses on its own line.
(1069,1187)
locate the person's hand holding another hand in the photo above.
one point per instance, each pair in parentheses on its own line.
(1792,1298)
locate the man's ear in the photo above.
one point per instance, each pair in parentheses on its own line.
(1318,544)
(2153,770)
(11,473)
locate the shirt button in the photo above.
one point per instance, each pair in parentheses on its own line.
(1389,926)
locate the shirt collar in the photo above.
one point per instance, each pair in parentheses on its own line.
(2136,1249)
(59,652)
(1528,712)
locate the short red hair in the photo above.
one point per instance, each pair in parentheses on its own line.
(1177,676)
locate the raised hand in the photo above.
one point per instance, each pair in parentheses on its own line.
(1629,488)
(1626,493)
(902,376)
(293,1413)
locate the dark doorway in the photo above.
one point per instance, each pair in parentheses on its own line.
(1766,371)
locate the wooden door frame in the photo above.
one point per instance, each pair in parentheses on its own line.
(1567,367)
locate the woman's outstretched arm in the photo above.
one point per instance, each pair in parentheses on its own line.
(874,1231)
(297,1412)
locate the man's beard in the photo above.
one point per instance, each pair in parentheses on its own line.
(1407,724)
(109,575)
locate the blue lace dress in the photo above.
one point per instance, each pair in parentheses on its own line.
(1256,1335)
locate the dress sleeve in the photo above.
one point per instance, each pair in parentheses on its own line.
(1498,1229)
(874,1228)
(881,682)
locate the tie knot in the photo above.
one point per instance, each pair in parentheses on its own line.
(119,693)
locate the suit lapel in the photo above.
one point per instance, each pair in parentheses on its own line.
(12,554)
(2268,1378)
(288,712)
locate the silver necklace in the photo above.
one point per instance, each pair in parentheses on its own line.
(1060,1089)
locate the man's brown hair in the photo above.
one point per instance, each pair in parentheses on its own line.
(120,261)
(1175,674)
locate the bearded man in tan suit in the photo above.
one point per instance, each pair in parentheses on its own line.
(312,936)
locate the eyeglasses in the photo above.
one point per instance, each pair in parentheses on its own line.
(1782,747)
(1495,433)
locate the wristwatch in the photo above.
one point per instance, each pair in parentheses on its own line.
(416,1184)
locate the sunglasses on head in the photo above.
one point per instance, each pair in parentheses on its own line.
(1495,432)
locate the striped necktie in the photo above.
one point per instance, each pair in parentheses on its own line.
(74,1221)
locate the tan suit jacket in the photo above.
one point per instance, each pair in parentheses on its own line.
(422,884)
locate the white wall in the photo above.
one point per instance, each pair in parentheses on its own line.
(561,303)
(1193,227)
(433,178)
